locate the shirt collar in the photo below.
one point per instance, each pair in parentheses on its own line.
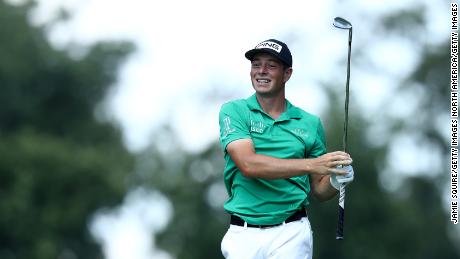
(291,112)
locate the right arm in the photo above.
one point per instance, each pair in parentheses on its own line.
(254,165)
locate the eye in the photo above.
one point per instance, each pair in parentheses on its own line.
(255,65)
(272,65)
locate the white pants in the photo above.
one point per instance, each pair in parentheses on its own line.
(293,240)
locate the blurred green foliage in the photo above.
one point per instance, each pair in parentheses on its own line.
(58,164)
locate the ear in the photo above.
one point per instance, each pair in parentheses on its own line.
(287,74)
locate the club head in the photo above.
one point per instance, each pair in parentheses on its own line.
(341,23)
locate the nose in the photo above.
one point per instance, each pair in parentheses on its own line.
(263,69)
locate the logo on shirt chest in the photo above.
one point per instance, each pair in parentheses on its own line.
(257,126)
(299,132)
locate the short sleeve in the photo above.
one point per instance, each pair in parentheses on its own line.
(319,146)
(233,124)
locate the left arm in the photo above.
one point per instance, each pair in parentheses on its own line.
(324,187)
(321,187)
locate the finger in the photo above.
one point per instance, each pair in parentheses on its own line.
(338,153)
(341,162)
(341,153)
(338,171)
(340,156)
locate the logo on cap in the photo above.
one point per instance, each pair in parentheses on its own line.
(270,45)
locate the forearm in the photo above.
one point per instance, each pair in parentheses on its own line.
(261,166)
(267,167)
(256,165)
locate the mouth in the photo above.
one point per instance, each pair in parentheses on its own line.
(263,81)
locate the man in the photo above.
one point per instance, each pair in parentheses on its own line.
(275,157)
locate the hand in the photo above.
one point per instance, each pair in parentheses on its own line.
(342,179)
(330,163)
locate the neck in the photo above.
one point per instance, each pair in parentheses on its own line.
(272,105)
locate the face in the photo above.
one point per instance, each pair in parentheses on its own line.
(268,74)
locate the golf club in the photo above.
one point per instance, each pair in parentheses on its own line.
(345,25)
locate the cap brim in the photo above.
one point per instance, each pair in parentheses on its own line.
(251,53)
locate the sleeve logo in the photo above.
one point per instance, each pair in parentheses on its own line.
(227,129)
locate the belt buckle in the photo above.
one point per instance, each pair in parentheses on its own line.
(263,227)
(268,226)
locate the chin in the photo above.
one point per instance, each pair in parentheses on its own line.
(265,88)
(261,90)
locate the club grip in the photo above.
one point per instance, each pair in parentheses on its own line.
(339,234)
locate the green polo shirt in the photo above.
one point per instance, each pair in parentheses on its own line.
(295,134)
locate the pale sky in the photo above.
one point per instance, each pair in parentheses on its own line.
(187,48)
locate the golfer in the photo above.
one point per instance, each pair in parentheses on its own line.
(276,158)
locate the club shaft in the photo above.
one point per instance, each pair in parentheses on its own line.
(347,97)
(339,233)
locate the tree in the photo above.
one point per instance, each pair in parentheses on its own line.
(58,163)
(194,185)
